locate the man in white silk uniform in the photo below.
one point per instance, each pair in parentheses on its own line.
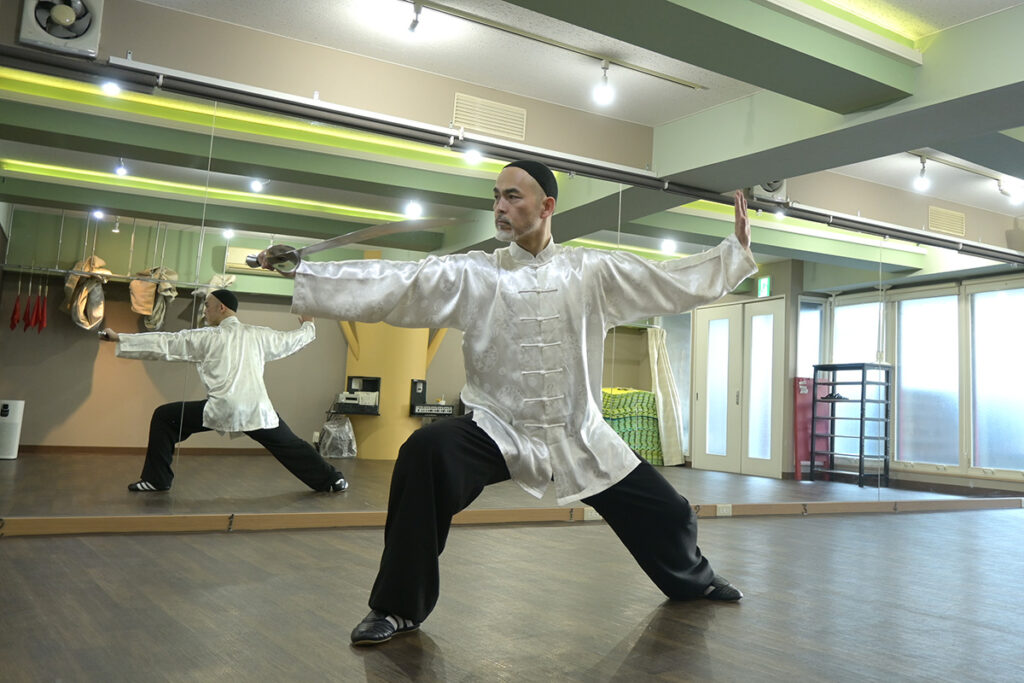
(230,357)
(534,316)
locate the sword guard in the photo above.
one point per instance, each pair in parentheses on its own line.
(280,257)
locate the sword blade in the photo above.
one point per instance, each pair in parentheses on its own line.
(375,231)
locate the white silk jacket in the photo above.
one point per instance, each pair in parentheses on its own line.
(533,343)
(230,359)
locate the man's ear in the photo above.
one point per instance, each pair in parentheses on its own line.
(547,207)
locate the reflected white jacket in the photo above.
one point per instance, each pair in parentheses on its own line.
(230,359)
(533,343)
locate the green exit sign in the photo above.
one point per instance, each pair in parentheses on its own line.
(764,287)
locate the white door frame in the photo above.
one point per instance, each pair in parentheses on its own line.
(727,396)
(738,317)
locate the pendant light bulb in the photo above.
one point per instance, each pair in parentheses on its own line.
(921,182)
(603,93)
(416,9)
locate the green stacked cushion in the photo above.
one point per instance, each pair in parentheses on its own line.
(633,414)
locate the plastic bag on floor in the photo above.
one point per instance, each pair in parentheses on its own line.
(337,440)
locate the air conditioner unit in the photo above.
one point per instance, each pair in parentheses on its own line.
(71,26)
(770,191)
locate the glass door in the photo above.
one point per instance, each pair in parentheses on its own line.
(739,387)
(717,388)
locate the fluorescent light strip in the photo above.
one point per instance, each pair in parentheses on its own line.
(228,118)
(114,181)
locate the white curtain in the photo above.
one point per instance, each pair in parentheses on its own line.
(666,395)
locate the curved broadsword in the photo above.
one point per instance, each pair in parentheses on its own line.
(281,260)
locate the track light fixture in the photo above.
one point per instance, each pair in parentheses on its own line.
(1014,192)
(603,93)
(121,169)
(1010,187)
(257,185)
(416,9)
(921,182)
(117,226)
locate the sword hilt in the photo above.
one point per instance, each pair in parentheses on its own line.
(280,257)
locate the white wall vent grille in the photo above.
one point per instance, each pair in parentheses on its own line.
(947,222)
(491,118)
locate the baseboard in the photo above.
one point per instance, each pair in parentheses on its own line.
(131,450)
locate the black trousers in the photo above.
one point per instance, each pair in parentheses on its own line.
(444,466)
(175,422)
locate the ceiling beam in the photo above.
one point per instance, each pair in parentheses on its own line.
(971,83)
(750,42)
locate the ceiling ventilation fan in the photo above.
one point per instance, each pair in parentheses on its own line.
(71,26)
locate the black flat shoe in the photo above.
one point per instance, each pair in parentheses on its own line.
(375,628)
(720,589)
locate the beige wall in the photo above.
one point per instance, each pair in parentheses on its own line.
(857,197)
(77,393)
(446,374)
(176,40)
(627,363)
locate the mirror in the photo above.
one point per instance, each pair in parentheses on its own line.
(186,204)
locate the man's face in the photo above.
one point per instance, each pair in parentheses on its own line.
(518,205)
(213,310)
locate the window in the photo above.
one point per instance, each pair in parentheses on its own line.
(856,333)
(809,336)
(997,336)
(856,341)
(927,381)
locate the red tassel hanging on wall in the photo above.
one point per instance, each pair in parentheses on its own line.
(16,313)
(41,309)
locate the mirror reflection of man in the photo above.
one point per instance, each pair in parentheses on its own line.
(230,356)
(534,316)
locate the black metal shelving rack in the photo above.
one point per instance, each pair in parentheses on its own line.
(872,384)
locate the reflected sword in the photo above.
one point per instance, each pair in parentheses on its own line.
(281,258)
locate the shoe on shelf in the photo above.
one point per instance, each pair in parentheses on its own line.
(143,486)
(720,589)
(378,627)
(338,486)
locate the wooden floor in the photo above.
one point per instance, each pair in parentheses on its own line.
(916,597)
(46,494)
(46,484)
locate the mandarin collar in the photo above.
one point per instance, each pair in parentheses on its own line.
(523,256)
